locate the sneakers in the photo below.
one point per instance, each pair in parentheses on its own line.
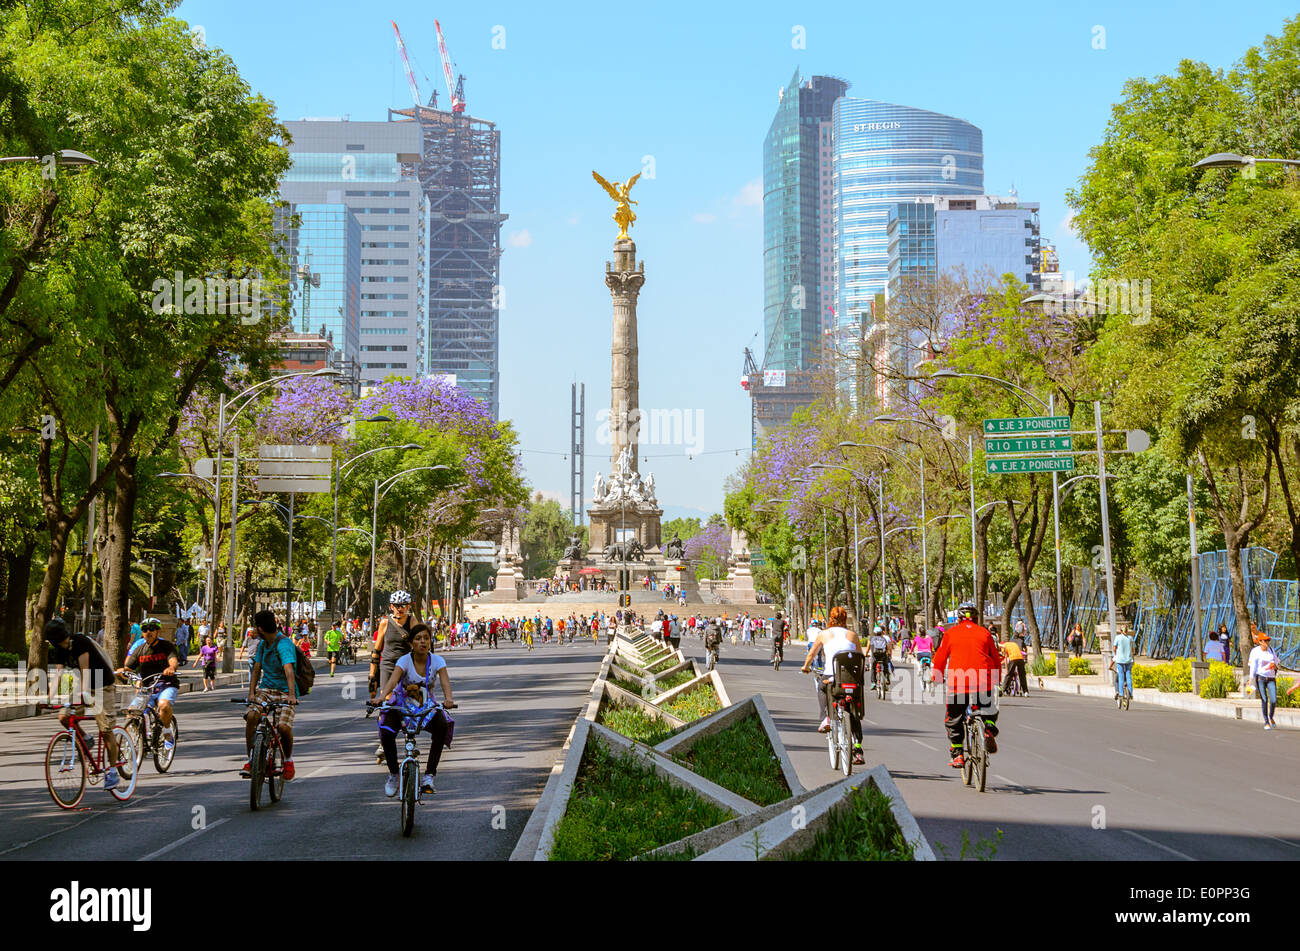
(246,770)
(379,755)
(1267,726)
(426,783)
(826,725)
(110,778)
(857,757)
(390,787)
(990,741)
(169,743)
(287,772)
(958,761)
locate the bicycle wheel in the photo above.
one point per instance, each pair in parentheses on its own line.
(163,757)
(65,770)
(128,771)
(410,786)
(968,761)
(833,740)
(135,729)
(256,771)
(981,755)
(846,742)
(1127,697)
(275,772)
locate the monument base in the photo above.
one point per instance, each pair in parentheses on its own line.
(506,588)
(608,523)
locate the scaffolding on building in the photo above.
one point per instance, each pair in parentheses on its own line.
(460,177)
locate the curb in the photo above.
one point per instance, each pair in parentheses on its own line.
(1231,710)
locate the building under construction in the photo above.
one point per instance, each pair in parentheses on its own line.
(460,176)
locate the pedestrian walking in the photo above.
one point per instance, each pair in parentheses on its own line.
(1263,670)
(1076,640)
(208,655)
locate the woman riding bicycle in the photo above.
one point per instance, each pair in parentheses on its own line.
(409,687)
(837,639)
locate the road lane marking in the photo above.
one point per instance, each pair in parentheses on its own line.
(1278,795)
(1276,839)
(1217,739)
(316,772)
(133,799)
(1147,758)
(872,722)
(181,841)
(1009,782)
(1026,726)
(925,744)
(1158,845)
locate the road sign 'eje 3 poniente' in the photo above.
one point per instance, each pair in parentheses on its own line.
(1026,424)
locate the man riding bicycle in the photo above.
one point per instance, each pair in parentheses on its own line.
(879,644)
(969,656)
(272,680)
(778,638)
(157,656)
(95,674)
(836,639)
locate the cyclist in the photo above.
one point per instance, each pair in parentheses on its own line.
(96,677)
(817,667)
(333,645)
(1123,661)
(410,687)
(923,651)
(713,640)
(272,679)
(157,656)
(969,654)
(907,644)
(879,644)
(393,637)
(778,638)
(836,639)
(1015,657)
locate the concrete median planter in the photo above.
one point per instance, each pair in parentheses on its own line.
(794,827)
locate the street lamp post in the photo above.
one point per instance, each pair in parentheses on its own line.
(339,470)
(228,655)
(216,520)
(374,527)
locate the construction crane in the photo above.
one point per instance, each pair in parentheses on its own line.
(410,76)
(457,92)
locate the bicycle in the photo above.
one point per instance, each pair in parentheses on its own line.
(148,735)
(880,679)
(266,758)
(975,764)
(844,689)
(69,755)
(927,680)
(408,770)
(1122,699)
(778,655)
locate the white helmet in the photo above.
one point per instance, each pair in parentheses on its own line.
(399,597)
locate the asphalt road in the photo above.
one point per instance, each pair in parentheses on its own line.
(1160,784)
(515,709)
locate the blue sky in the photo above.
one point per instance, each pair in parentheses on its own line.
(602,86)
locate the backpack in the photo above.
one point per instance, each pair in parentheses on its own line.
(304,674)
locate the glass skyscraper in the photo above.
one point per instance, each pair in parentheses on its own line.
(368,169)
(885,154)
(324,258)
(796,199)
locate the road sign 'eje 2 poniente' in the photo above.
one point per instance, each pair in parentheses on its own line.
(1033,464)
(1026,424)
(1029,444)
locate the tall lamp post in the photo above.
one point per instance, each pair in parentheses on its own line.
(216,520)
(1050,406)
(374,526)
(339,470)
(223,423)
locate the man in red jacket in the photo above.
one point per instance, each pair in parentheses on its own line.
(969,653)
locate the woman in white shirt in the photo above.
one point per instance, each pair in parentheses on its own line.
(1263,671)
(836,639)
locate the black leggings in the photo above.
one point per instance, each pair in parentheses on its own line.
(391,721)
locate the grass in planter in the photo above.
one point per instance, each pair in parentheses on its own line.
(740,758)
(664,684)
(629,685)
(663,665)
(620,809)
(864,831)
(634,723)
(700,702)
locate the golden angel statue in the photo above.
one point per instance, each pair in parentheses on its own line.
(624,216)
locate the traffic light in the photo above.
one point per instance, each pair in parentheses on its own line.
(625,600)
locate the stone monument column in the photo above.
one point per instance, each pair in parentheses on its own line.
(624,279)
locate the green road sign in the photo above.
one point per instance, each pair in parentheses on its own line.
(756,558)
(1026,424)
(1031,464)
(1029,444)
